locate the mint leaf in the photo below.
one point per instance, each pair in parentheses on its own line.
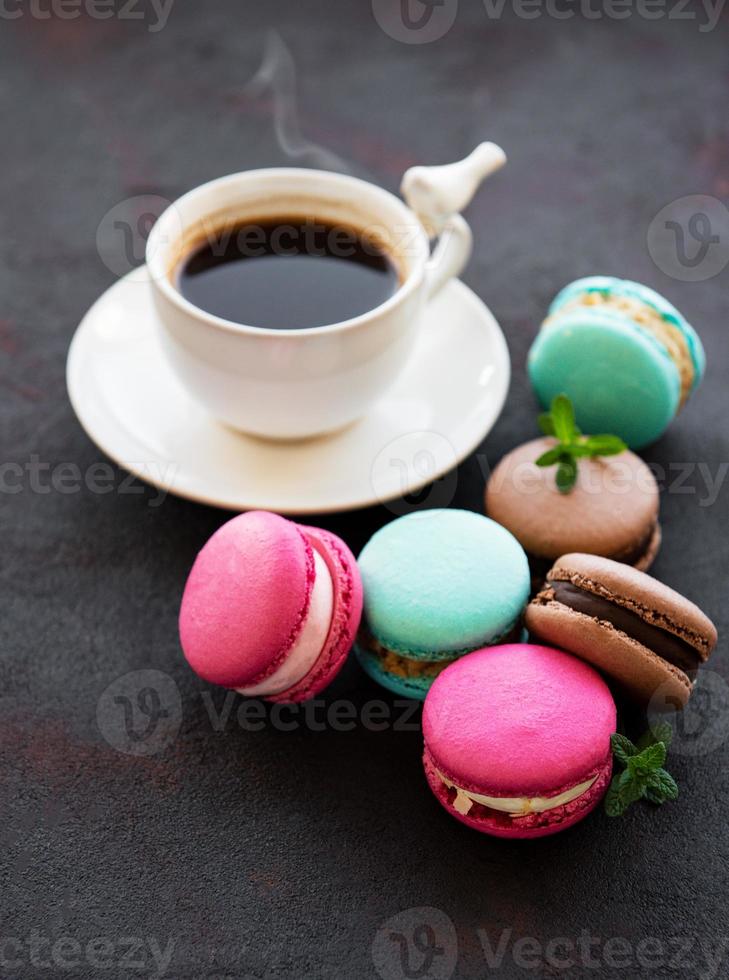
(644,776)
(622,748)
(551,457)
(566,475)
(624,790)
(663,782)
(563,419)
(614,805)
(654,795)
(662,731)
(572,445)
(604,445)
(638,783)
(631,789)
(578,449)
(649,759)
(546,424)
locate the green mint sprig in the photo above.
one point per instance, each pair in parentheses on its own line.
(643,777)
(560,423)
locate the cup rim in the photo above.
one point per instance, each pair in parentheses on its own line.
(161,280)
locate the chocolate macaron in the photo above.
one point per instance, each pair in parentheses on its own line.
(642,634)
(612,509)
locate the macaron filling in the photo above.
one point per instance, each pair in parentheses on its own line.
(635,555)
(672,648)
(310,642)
(670,336)
(514,806)
(399,664)
(425,666)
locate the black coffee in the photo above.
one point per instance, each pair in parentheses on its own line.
(288,274)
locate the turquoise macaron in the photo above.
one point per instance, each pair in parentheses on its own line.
(437,584)
(626,357)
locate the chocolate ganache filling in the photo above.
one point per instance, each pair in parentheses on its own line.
(540,567)
(667,645)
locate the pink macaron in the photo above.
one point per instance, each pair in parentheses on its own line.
(271,608)
(517,740)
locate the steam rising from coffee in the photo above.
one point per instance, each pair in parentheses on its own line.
(277,75)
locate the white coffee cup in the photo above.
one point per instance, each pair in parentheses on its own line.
(291,384)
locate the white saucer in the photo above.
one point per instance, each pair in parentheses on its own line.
(441,407)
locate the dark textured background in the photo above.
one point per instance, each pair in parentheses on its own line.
(280,854)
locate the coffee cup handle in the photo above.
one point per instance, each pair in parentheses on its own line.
(437,195)
(450,255)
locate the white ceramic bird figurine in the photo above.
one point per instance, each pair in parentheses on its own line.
(436,193)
